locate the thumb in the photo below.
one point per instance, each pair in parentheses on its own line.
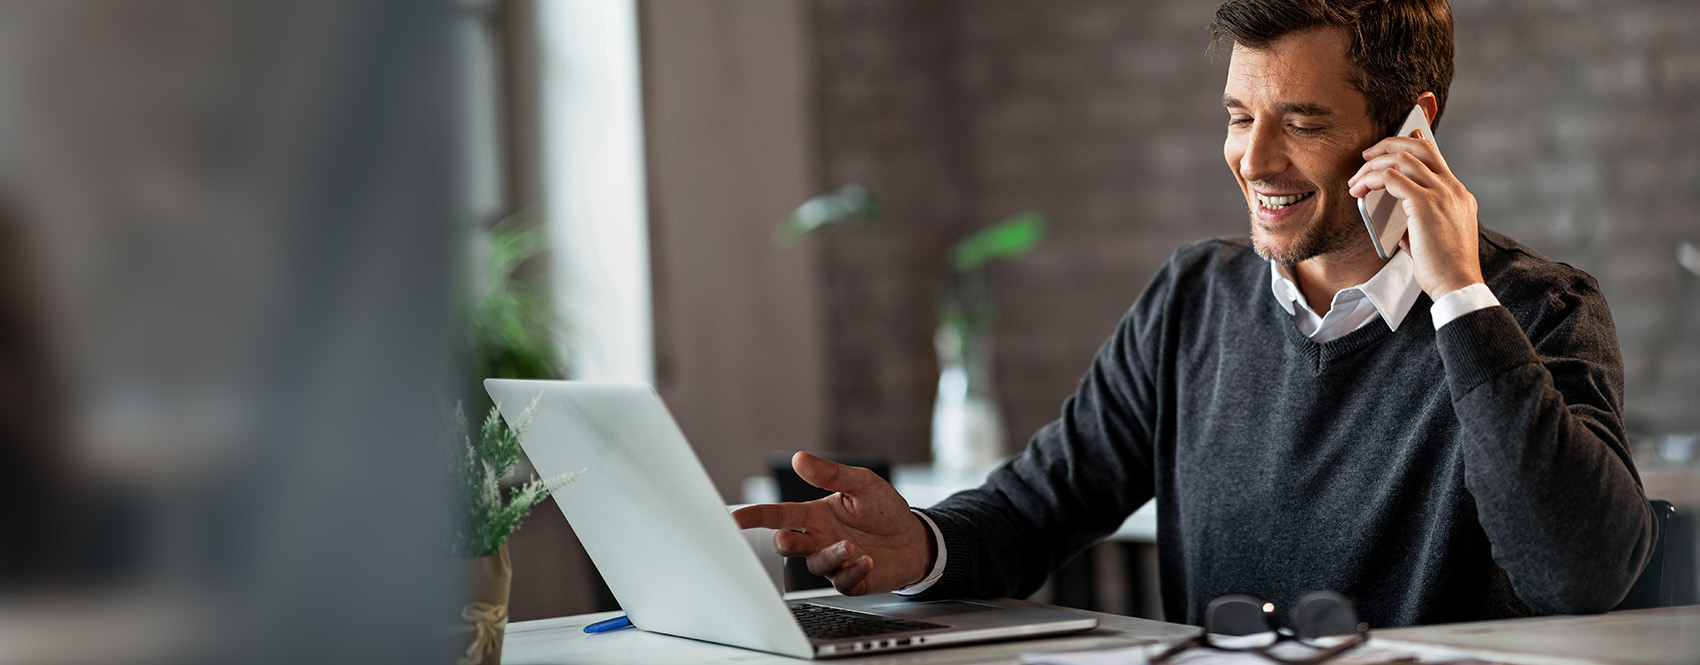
(832,476)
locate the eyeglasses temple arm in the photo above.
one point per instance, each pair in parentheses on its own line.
(1317,658)
(1177,648)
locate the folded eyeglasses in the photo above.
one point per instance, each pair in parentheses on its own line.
(1317,615)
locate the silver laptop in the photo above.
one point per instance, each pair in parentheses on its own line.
(667,547)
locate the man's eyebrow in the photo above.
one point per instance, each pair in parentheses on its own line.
(1294,108)
(1304,108)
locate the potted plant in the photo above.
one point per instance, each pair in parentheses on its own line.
(509,329)
(967,423)
(968,431)
(485,519)
(508,321)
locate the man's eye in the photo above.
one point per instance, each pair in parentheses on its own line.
(1238,122)
(1306,131)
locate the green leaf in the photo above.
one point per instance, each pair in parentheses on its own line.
(509,322)
(852,203)
(1015,236)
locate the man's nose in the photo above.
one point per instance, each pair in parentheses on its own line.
(1265,154)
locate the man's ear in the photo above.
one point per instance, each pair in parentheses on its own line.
(1431,106)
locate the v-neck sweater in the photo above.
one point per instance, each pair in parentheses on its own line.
(1475,472)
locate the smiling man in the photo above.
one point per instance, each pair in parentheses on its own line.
(1438,436)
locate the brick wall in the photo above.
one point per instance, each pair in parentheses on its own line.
(1574,123)
(1577,125)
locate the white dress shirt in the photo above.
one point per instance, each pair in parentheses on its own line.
(1388,296)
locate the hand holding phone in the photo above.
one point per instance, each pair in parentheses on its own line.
(1383,216)
(1408,176)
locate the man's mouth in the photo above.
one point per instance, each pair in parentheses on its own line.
(1279,202)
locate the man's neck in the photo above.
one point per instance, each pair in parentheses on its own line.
(1321,277)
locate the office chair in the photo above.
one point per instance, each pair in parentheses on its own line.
(1655,586)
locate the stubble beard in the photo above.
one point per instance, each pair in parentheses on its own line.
(1335,231)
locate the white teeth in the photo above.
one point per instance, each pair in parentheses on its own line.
(1279,202)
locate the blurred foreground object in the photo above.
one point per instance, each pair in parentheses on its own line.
(241,217)
(35,519)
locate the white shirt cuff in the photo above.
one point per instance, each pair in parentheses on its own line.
(1463,301)
(938,565)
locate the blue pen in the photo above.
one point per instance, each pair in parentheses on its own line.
(613,624)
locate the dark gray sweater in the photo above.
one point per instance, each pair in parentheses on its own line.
(1476,472)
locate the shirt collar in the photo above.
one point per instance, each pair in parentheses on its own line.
(1393,290)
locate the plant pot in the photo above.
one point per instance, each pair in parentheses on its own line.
(485,615)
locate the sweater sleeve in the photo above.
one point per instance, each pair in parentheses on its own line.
(1075,483)
(1538,394)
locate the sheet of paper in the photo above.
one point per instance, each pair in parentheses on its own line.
(1368,654)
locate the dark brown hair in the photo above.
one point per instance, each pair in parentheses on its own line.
(1400,48)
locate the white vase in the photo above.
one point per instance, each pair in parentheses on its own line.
(967,425)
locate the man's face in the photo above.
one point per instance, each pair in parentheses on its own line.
(1296,132)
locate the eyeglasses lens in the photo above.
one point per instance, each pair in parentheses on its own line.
(1324,613)
(1238,615)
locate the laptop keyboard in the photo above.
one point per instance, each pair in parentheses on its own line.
(830,623)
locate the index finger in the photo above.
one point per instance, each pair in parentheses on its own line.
(832,476)
(787,516)
(1421,146)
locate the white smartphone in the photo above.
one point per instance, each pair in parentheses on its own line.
(1383,215)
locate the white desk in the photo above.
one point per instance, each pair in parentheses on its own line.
(1663,636)
(1667,636)
(923,487)
(563,640)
